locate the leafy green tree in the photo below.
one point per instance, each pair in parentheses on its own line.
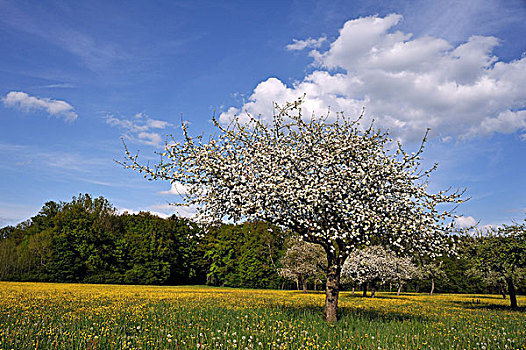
(503,251)
(78,252)
(433,270)
(8,256)
(243,255)
(84,240)
(148,249)
(185,263)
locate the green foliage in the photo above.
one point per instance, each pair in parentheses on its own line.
(503,252)
(243,255)
(86,241)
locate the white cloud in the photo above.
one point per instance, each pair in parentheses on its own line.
(157,124)
(176,189)
(506,122)
(125,124)
(187,212)
(164,210)
(407,83)
(22,101)
(484,230)
(170,209)
(133,211)
(59,85)
(298,45)
(139,128)
(150,138)
(465,221)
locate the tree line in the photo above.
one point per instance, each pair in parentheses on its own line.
(86,240)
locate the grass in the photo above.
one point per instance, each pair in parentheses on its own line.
(74,316)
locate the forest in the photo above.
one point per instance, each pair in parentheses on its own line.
(86,240)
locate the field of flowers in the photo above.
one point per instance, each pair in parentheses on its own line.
(74,316)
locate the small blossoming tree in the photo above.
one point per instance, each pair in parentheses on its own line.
(376,265)
(333,183)
(302,261)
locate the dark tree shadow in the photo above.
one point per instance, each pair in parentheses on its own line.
(350,312)
(381,315)
(474,305)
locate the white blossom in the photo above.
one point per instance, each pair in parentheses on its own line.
(334,184)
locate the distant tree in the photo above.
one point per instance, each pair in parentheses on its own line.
(302,261)
(85,240)
(404,271)
(433,270)
(492,280)
(77,248)
(243,255)
(8,256)
(150,254)
(503,251)
(334,183)
(376,265)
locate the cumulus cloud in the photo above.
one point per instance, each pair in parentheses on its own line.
(407,83)
(22,101)
(298,45)
(465,221)
(139,128)
(150,138)
(176,189)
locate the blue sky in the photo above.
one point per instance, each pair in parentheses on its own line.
(75,77)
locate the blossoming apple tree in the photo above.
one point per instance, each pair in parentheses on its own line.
(333,183)
(302,261)
(376,265)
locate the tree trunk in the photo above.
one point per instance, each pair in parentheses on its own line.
(332,290)
(297,283)
(352,290)
(390,287)
(315,287)
(432,285)
(399,289)
(304,284)
(511,292)
(364,286)
(502,291)
(373,289)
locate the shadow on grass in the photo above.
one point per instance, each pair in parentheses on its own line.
(474,305)
(378,296)
(493,297)
(350,313)
(380,315)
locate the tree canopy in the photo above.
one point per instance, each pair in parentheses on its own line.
(376,265)
(303,261)
(334,183)
(503,251)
